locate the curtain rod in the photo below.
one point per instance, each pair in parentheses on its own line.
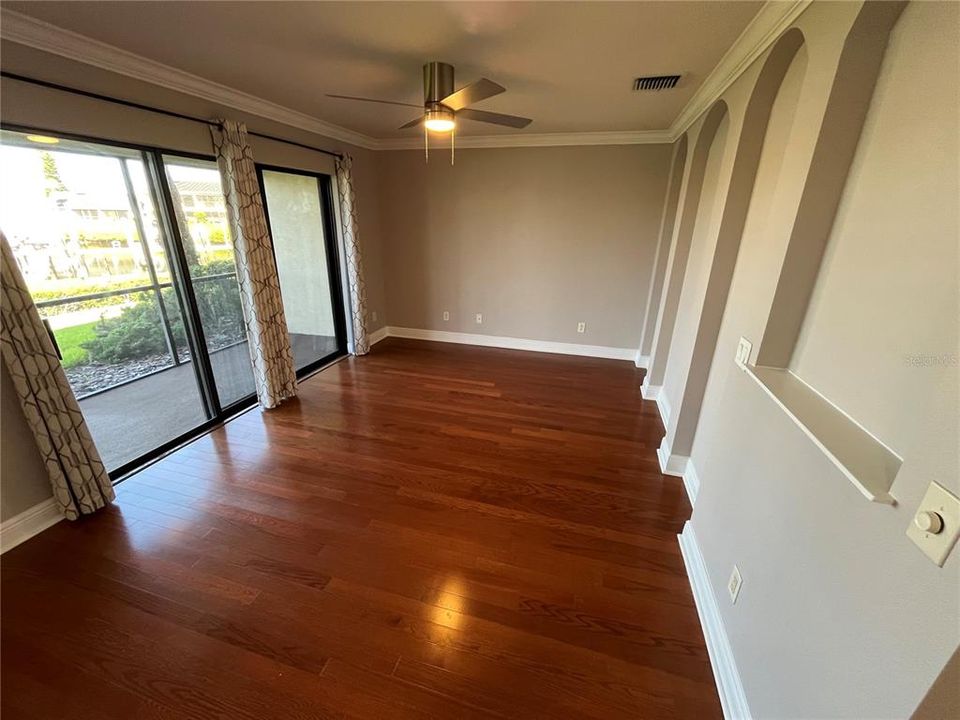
(159,111)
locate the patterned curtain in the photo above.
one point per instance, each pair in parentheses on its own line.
(358,289)
(80,481)
(273,368)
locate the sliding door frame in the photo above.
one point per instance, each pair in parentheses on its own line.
(331,242)
(161,196)
(170,236)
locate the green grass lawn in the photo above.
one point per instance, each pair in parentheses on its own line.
(69,339)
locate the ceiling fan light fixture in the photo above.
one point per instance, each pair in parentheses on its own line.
(439,120)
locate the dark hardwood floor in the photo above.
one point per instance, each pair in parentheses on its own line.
(431,531)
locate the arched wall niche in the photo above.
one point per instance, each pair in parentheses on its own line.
(864,459)
(685,222)
(667,222)
(840,131)
(788,55)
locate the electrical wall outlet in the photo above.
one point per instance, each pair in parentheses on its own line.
(373,316)
(479,318)
(744,348)
(581,327)
(446,315)
(734,584)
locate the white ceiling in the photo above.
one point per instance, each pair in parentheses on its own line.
(569,66)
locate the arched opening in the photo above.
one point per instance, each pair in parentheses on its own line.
(796,362)
(840,131)
(667,221)
(766,127)
(709,144)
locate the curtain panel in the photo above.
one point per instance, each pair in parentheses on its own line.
(354,260)
(273,367)
(79,480)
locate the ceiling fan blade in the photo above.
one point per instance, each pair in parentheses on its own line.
(373,100)
(472,93)
(495,118)
(415,121)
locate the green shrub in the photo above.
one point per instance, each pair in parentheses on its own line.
(137,332)
(74,289)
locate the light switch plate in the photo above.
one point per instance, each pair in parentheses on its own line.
(744,348)
(937,546)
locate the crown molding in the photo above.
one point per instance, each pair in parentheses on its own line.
(25,30)
(643,137)
(767,25)
(772,19)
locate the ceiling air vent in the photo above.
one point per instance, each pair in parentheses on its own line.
(656,82)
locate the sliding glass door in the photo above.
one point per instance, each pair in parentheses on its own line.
(128,255)
(300,214)
(201,216)
(83,223)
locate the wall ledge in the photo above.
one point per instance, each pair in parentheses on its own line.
(863,459)
(512,343)
(30,522)
(733,698)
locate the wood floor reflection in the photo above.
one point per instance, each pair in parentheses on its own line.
(431,531)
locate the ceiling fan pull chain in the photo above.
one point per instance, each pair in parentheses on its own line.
(426,145)
(453,142)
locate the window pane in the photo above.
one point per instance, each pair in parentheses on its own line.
(82,224)
(201,216)
(132,393)
(70,214)
(297,228)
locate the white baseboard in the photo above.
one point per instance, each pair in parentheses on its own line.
(691,481)
(649,392)
(378,335)
(30,522)
(512,343)
(670,464)
(680,466)
(733,699)
(663,405)
(642,361)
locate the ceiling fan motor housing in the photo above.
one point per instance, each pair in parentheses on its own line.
(437,82)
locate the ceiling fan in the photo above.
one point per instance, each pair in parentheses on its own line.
(442,105)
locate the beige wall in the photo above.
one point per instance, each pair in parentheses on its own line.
(658,273)
(887,288)
(536,239)
(840,615)
(23,481)
(697,269)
